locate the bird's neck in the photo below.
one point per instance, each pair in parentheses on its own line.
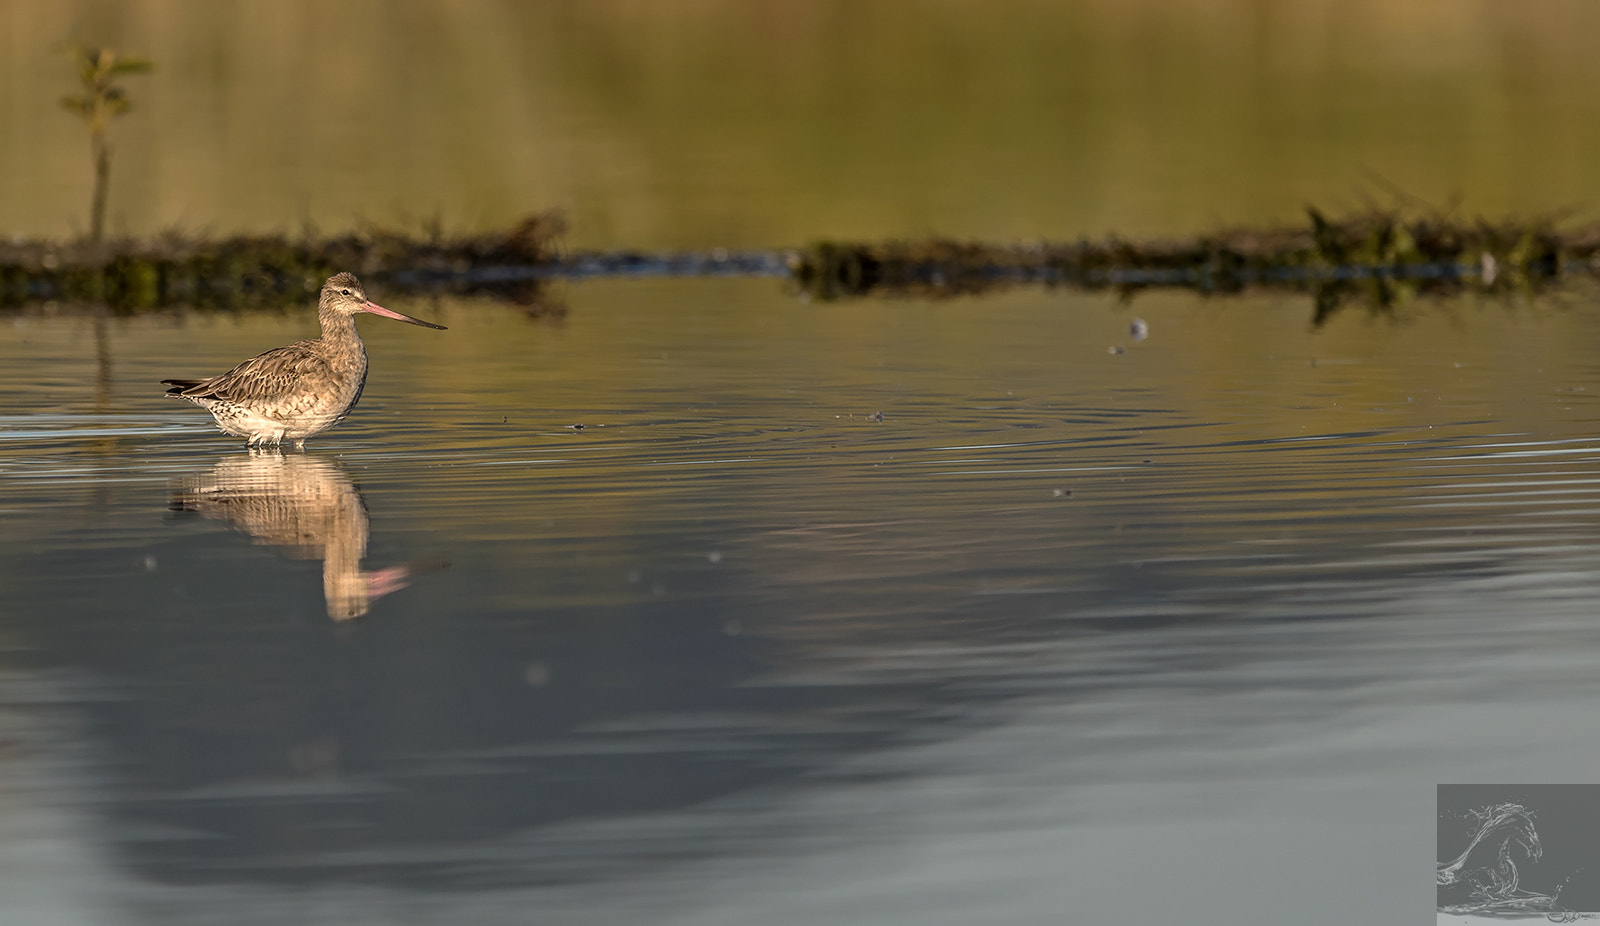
(336,326)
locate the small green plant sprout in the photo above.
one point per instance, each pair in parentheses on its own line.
(102,100)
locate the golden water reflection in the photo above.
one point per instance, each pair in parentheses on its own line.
(306,508)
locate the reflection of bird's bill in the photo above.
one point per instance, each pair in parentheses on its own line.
(388,580)
(350,594)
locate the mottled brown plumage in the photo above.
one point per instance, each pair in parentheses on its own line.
(294,392)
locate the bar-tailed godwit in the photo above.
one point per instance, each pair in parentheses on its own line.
(294,392)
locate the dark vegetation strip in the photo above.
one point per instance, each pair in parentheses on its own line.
(1372,244)
(1373,256)
(250,271)
(1379,258)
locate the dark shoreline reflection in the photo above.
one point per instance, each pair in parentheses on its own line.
(305,507)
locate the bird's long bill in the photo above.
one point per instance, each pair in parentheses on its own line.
(376,309)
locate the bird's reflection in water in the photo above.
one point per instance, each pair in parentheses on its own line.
(306,507)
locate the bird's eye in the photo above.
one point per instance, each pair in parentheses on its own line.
(345,291)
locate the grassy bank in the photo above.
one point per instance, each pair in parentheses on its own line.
(244,271)
(1375,257)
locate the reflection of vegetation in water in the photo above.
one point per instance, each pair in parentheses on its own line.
(271,270)
(1385,259)
(101,101)
(1381,257)
(1492,883)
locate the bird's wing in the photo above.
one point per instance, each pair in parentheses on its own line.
(266,375)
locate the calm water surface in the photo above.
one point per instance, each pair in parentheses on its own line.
(886,611)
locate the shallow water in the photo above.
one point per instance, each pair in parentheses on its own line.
(884,611)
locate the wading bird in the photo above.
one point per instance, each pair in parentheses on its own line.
(291,393)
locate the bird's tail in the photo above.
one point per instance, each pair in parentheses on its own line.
(180,386)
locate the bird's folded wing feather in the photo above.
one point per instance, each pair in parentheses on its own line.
(273,373)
